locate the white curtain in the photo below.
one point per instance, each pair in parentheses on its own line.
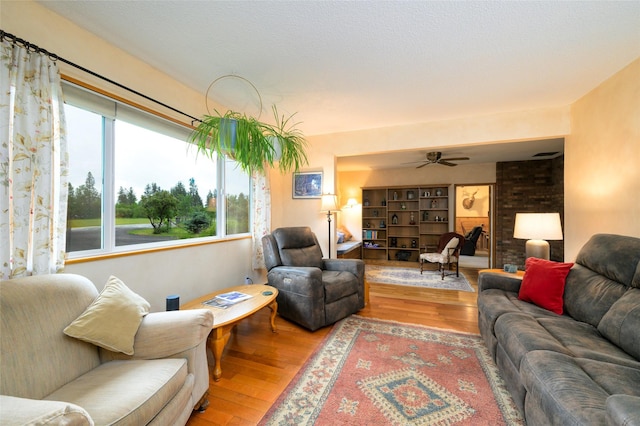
(33,163)
(261,210)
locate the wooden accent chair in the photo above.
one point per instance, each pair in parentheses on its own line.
(447,253)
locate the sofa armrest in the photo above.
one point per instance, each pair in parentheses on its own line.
(302,280)
(623,410)
(500,281)
(355,266)
(165,334)
(22,411)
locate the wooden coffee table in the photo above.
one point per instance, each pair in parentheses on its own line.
(225,319)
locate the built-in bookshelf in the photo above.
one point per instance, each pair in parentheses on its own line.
(398,221)
(374,223)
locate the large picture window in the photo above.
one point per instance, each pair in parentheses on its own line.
(135,181)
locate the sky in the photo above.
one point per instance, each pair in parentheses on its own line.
(141,157)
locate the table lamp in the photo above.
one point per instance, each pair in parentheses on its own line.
(536,228)
(329,205)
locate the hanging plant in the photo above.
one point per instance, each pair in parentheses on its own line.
(254,145)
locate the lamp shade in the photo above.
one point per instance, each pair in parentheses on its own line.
(538,226)
(329,203)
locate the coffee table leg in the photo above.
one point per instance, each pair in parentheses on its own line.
(218,341)
(274,309)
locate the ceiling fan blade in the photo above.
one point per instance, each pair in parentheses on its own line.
(455,159)
(446,163)
(425,164)
(415,162)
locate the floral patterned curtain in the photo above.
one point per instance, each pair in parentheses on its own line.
(261,208)
(33,163)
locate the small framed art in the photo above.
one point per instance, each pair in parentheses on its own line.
(307,185)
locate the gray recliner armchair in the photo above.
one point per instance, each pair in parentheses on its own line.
(313,292)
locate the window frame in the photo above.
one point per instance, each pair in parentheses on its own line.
(109,197)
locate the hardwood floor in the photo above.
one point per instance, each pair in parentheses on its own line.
(257,365)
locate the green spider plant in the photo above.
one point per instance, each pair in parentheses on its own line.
(254,145)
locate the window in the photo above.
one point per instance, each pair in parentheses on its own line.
(135,180)
(236,198)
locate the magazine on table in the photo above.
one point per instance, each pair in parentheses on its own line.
(225,300)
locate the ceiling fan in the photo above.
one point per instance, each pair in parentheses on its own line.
(435,157)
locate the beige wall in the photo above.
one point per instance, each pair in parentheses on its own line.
(189,272)
(602,161)
(325,149)
(602,152)
(601,181)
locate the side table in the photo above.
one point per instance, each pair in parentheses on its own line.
(225,319)
(517,274)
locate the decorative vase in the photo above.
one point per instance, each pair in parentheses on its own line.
(394,219)
(412,219)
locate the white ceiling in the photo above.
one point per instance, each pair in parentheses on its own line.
(349,65)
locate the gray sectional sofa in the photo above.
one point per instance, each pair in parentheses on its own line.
(581,367)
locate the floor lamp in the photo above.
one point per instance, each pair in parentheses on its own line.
(329,205)
(536,228)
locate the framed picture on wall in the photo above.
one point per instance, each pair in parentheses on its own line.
(307,185)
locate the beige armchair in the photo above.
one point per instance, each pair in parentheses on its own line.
(49,377)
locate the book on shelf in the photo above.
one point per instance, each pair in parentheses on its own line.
(225,300)
(370,235)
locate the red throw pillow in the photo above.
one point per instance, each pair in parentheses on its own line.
(543,283)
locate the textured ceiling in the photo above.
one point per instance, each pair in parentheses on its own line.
(364,64)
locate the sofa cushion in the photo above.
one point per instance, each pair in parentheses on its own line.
(616,257)
(583,340)
(23,411)
(345,231)
(298,246)
(605,268)
(559,387)
(112,320)
(621,323)
(520,333)
(623,410)
(33,312)
(611,377)
(127,392)
(588,296)
(543,283)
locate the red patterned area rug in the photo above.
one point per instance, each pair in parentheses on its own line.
(376,372)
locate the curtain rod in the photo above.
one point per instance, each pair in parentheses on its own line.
(33,48)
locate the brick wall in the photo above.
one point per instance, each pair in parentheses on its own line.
(526,187)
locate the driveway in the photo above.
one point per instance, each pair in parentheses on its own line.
(89,238)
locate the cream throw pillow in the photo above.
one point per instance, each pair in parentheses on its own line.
(112,320)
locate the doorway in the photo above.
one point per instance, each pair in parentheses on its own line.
(473,207)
